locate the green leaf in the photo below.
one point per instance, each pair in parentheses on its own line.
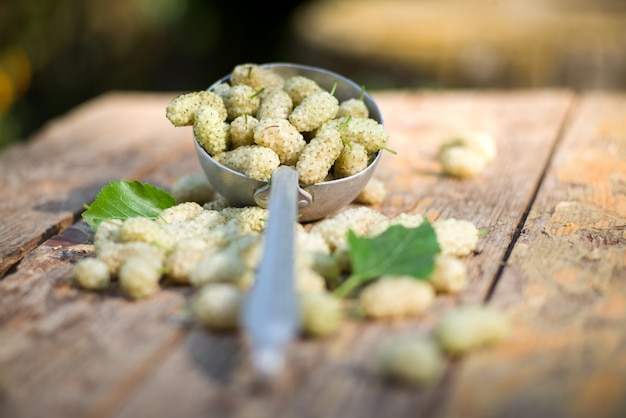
(127,199)
(397,251)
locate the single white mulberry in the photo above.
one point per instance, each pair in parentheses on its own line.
(255,76)
(298,87)
(468,328)
(480,142)
(254,161)
(275,103)
(182,109)
(282,137)
(321,314)
(250,218)
(314,111)
(352,160)
(211,132)
(241,100)
(395,297)
(108,232)
(319,155)
(411,360)
(449,274)
(462,162)
(353,107)
(242,130)
(91,274)
(139,276)
(217,306)
(456,236)
(373,193)
(365,131)
(408,220)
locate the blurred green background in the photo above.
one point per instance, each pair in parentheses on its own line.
(57,54)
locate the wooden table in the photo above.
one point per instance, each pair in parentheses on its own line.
(554,260)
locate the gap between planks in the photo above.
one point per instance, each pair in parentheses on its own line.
(520,226)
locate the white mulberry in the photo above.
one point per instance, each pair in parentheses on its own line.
(319,155)
(395,297)
(254,161)
(408,220)
(181,110)
(282,137)
(115,254)
(211,132)
(91,274)
(298,87)
(309,280)
(373,193)
(108,232)
(365,131)
(275,104)
(411,360)
(456,236)
(139,276)
(181,212)
(321,314)
(241,100)
(217,306)
(145,230)
(462,162)
(255,76)
(352,160)
(221,267)
(250,218)
(480,142)
(242,130)
(314,111)
(353,107)
(181,261)
(468,328)
(361,220)
(449,274)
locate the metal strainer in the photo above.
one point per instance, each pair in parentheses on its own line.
(271,317)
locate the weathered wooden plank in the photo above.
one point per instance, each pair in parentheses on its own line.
(335,377)
(57,341)
(63,349)
(525,126)
(46,182)
(564,286)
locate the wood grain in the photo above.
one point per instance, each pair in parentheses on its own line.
(103,355)
(564,286)
(47,181)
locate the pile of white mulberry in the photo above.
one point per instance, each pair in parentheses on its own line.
(260,120)
(214,248)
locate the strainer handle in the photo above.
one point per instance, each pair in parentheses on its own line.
(271,316)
